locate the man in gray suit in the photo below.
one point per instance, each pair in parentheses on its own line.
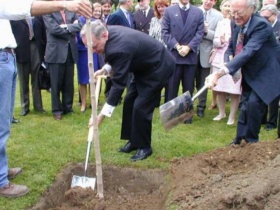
(211,18)
(182,31)
(61,54)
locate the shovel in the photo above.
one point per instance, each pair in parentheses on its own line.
(178,110)
(84,181)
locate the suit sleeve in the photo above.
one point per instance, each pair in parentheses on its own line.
(120,63)
(196,40)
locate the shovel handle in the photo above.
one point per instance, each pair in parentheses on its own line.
(199,92)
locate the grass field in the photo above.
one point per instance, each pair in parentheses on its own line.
(43,146)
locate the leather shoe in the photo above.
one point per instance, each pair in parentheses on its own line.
(142,154)
(188,121)
(200,113)
(14,120)
(127,148)
(269,127)
(235,141)
(57,116)
(24,113)
(13,172)
(13,190)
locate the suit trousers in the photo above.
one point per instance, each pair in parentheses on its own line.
(273,113)
(201,74)
(137,116)
(252,109)
(24,71)
(62,82)
(184,73)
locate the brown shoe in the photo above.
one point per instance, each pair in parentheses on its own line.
(13,172)
(13,190)
(57,116)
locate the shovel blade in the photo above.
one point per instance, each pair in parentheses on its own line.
(83,181)
(176,111)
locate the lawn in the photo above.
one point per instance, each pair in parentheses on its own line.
(43,146)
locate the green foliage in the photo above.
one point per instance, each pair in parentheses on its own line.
(43,146)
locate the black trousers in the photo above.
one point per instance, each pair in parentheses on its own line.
(137,116)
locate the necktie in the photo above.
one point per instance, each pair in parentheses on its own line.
(30,28)
(128,17)
(144,13)
(239,46)
(63,16)
(205,16)
(184,8)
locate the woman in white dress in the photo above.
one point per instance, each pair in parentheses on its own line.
(226,84)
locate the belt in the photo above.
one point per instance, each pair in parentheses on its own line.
(8,50)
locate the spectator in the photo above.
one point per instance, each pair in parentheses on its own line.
(270,12)
(30,35)
(106,9)
(174,2)
(254,52)
(82,63)
(225,85)
(151,64)
(61,54)
(17,10)
(182,33)
(142,17)
(211,19)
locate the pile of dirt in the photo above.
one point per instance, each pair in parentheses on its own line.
(244,177)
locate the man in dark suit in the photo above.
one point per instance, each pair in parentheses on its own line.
(30,35)
(182,31)
(61,54)
(151,64)
(258,59)
(142,17)
(270,12)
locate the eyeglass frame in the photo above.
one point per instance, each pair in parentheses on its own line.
(232,13)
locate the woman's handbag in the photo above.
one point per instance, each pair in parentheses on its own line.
(44,77)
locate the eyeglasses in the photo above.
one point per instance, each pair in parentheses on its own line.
(239,13)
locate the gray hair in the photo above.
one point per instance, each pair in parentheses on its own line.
(96,28)
(274,2)
(272,8)
(253,3)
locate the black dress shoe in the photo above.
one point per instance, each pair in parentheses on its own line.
(200,113)
(235,141)
(24,113)
(270,127)
(14,120)
(142,154)
(188,121)
(127,148)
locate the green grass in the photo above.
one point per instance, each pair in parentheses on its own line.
(43,146)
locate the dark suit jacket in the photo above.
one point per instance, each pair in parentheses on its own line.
(276,30)
(259,58)
(21,32)
(141,22)
(149,61)
(59,39)
(119,18)
(175,31)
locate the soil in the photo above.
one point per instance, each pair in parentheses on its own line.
(244,177)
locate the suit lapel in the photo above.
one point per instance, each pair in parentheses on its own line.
(178,17)
(189,20)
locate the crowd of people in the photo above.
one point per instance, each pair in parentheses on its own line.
(174,44)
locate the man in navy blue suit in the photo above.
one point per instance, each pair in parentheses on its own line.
(259,62)
(270,12)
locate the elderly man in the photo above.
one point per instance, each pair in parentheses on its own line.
(256,52)
(152,65)
(16,10)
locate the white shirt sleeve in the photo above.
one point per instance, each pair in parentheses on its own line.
(107,110)
(15,9)
(108,68)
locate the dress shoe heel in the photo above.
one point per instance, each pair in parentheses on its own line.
(127,148)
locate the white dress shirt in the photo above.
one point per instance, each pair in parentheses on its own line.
(12,10)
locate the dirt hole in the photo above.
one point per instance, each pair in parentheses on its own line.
(124,188)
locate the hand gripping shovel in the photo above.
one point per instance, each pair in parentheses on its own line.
(84,181)
(178,110)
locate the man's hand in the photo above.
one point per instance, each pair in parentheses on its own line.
(100,72)
(185,49)
(100,118)
(82,7)
(212,80)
